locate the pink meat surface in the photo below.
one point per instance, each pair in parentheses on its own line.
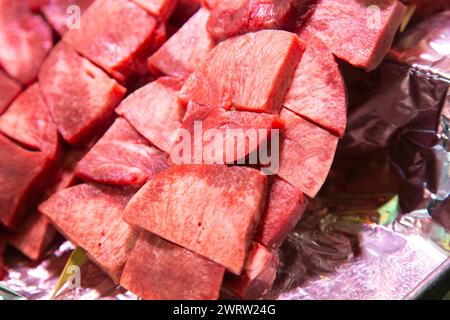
(318,91)
(162,9)
(258,277)
(21,177)
(182,53)
(25,40)
(115,35)
(160,270)
(33,236)
(91,217)
(29,122)
(284,207)
(231,18)
(252,72)
(239,134)
(154,111)
(307,153)
(9,89)
(357,31)
(121,157)
(210,209)
(58,14)
(80,96)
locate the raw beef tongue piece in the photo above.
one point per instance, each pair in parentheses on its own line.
(25,40)
(160,270)
(122,157)
(241,16)
(29,122)
(91,217)
(258,277)
(357,31)
(56,12)
(181,54)
(318,91)
(9,89)
(284,208)
(247,125)
(210,209)
(80,96)
(162,9)
(22,175)
(307,152)
(154,111)
(115,35)
(251,72)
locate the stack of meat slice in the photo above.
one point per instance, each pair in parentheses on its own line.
(161,220)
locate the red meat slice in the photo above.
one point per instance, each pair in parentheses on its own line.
(251,72)
(29,122)
(154,111)
(306,155)
(91,217)
(239,134)
(22,174)
(181,54)
(160,270)
(115,35)
(236,17)
(25,40)
(318,92)
(258,277)
(162,9)
(122,157)
(209,209)
(359,32)
(9,89)
(57,14)
(80,96)
(284,208)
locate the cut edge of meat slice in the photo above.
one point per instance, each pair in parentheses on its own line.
(90,216)
(307,152)
(258,277)
(9,90)
(122,157)
(181,205)
(236,86)
(160,270)
(162,9)
(318,91)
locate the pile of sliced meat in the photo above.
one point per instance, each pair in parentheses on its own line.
(92,118)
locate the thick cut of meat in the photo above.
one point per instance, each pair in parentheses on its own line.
(231,18)
(91,217)
(29,122)
(154,111)
(258,277)
(160,270)
(25,40)
(357,31)
(210,209)
(162,9)
(318,92)
(226,136)
(251,72)
(115,35)
(306,155)
(9,89)
(181,54)
(33,236)
(121,157)
(79,95)
(284,208)
(58,14)
(21,177)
